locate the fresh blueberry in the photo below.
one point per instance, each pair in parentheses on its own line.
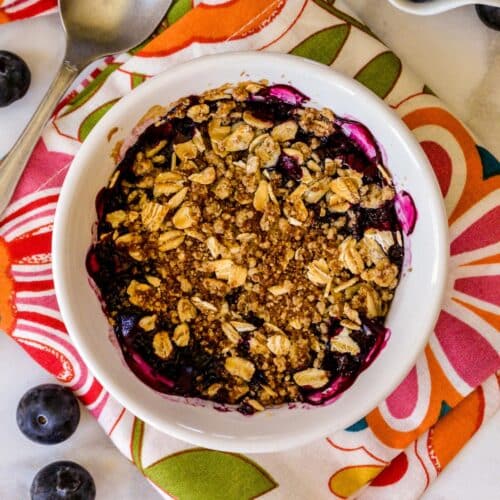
(48,414)
(15,78)
(489,16)
(63,480)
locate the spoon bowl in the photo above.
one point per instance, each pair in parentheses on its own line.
(94,28)
(97,28)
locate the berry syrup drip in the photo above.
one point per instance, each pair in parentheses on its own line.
(345,368)
(354,144)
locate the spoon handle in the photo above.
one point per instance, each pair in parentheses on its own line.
(13,164)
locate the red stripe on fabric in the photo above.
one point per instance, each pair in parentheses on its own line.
(92,394)
(30,206)
(33,10)
(98,409)
(33,286)
(43,319)
(64,101)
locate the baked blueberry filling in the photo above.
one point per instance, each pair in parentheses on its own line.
(248,248)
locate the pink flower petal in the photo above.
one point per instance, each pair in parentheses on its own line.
(403,400)
(45,168)
(486,288)
(483,232)
(472,357)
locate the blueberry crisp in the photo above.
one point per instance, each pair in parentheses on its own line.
(248,249)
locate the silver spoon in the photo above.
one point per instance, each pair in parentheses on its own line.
(94,28)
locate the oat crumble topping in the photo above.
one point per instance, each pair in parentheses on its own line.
(247,251)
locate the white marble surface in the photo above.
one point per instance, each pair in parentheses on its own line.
(456,55)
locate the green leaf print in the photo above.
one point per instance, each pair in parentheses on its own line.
(88,124)
(325,45)
(136,444)
(81,98)
(177,10)
(137,79)
(339,14)
(199,474)
(428,90)
(380,74)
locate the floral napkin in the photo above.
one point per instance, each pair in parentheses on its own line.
(404,443)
